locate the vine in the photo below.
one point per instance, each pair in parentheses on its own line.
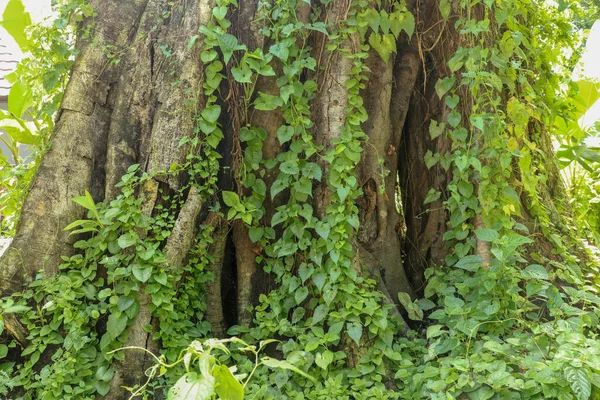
(500,318)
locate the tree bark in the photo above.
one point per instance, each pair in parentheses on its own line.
(137,111)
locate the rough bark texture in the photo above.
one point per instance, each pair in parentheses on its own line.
(136,111)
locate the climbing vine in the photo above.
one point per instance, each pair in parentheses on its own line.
(499,318)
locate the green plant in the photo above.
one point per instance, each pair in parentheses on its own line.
(206,377)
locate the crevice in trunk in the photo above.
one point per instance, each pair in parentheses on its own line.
(229,283)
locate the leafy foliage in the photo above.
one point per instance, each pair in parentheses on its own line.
(38,84)
(499,320)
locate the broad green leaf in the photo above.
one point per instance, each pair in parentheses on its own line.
(289,167)
(15,309)
(402,21)
(300,294)
(193,387)
(434,331)
(486,234)
(79,222)
(104,373)
(19,98)
(466,188)
(267,102)
(19,130)
(227,387)
(285,133)
(453,303)
(127,239)
(469,263)
(116,324)
(355,330)
(211,114)
(256,233)
(454,118)
(445,7)
(442,86)
(579,380)
(436,129)
(432,195)
(220,12)
(280,50)
(15,20)
(282,364)
(87,202)
(142,272)
(324,359)
(231,199)
(535,271)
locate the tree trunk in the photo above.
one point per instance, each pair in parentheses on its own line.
(144,108)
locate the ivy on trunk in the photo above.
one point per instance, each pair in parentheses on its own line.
(368,182)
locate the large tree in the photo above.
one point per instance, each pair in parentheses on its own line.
(315,172)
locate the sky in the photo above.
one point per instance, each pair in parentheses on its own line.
(591,69)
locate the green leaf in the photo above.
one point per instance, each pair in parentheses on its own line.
(3,350)
(442,86)
(15,20)
(405,300)
(87,202)
(256,233)
(579,380)
(282,364)
(211,114)
(278,186)
(461,162)
(193,387)
(486,234)
(19,130)
(453,303)
(324,359)
(432,195)
(445,8)
(466,188)
(127,239)
(312,171)
(220,12)
(228,44)
(231,199)
(436,130)
(280,50)
(300,295)
(227,387)
(141,272)
(454,118)
(290,167)
(102,387)
(452,101)
(116,324)
(355,330)
(535,271)
(402,21)
(435,330)
(125,302)
(385,45)
(19,98)
(242,74)
(285,133)
(104,373)
(15,309)
(431,159)
(469,263)
(267,102)
(320,313)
